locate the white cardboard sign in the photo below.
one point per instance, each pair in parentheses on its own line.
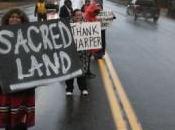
(87,35)
(106,18)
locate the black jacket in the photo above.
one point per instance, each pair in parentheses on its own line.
(64,12)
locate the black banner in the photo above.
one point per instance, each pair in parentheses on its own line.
(35,54)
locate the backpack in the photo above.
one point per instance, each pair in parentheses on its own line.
(41,7)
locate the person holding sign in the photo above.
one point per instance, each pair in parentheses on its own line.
(17,109)
(90,14)
(83,55)
(40,10)
(90,9)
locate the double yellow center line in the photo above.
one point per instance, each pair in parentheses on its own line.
(118,100)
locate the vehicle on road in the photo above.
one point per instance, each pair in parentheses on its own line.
(52,5)
(171,8)
(144,8)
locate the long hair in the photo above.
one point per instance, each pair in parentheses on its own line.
(22,15)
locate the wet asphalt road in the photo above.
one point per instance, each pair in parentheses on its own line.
(143,54)
(55,111)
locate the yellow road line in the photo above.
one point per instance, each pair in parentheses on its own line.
(114,104)
(133,121)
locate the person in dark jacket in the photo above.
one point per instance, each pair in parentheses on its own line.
(66,10)
(83,56)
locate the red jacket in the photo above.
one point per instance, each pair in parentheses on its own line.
(91,11)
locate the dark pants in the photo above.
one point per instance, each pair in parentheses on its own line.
(81,81)
(103,34)
(42,17)
(101,52)
(20,126)
(89,64)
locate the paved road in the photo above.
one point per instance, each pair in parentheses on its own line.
(55,111)
(143,53)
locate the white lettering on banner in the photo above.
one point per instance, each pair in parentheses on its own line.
(21,42)
(36,67)
(39,65)
(5,41)
(54,37)
(45,33)
(30,42)
(27,44)
(87,35)
(20,70)
(65,59)
(48,64)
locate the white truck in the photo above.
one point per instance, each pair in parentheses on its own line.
(52,5)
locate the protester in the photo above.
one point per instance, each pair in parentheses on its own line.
(83,55)
(40,10)
(66,10)
(84,7)
(17,110)
(89,74)
(91,9)
(90,14)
